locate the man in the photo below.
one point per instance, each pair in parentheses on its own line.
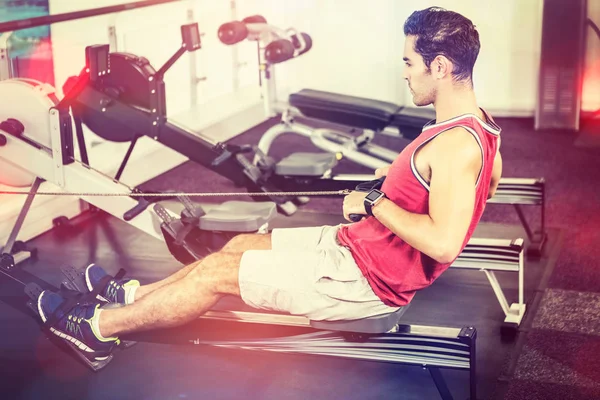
(411,231)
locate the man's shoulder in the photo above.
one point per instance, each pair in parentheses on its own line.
(457,142)
(456,137)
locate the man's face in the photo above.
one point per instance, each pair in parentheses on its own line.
(420,81)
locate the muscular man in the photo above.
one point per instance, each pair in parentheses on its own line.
(432,199)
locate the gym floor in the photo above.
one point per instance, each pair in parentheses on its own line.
(538,364)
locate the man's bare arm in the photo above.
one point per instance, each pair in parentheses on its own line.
(455,165)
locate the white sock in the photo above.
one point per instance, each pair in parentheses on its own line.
(95,321)
(130,294)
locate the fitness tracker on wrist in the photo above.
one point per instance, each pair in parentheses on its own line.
(371,200)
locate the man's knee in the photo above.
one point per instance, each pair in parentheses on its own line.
(248,241)
(219,272)
(237,241)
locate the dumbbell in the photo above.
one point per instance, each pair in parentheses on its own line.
(307,42)
(235,31)
(282,50)
(255,19)
(12,126)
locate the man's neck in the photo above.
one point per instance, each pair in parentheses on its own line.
(455,102)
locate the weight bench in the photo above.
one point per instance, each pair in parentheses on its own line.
(370,116)
(529,192)
(490,255)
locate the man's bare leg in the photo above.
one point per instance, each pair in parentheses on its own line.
(238,244)
(146,289)
(177,302)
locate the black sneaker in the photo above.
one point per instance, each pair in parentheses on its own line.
(75,329)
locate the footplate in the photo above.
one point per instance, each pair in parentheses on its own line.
(75,282)
(176,244)
(190,207)
(163,214)
(93,360)
(33,291)
(192,238)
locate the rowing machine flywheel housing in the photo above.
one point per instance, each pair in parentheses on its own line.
(130,82)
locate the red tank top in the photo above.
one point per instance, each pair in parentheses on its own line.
(394,269)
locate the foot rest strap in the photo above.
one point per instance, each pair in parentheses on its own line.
(73,298)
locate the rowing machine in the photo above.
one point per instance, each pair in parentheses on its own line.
(121,97)
(37,145)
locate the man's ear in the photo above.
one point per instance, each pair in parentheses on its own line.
(441,67)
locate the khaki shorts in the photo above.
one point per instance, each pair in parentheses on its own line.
(308,273)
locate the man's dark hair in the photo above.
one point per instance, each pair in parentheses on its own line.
(442,32)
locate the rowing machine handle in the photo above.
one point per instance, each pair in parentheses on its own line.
(370,185)
(356,217)
(137,210)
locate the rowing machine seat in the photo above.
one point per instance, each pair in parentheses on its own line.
(375,324)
